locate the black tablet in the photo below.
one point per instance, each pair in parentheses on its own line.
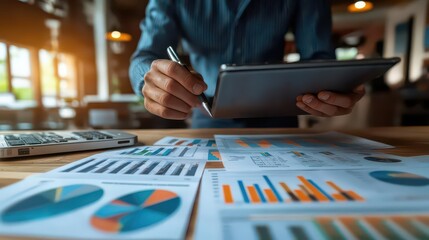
(270,90)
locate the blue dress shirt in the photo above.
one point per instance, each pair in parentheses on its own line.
(214,32)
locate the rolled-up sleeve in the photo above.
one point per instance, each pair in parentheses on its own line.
(159,30)
(313,29)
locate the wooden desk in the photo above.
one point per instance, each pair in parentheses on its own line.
(409,141)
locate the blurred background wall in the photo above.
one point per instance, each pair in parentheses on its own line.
(64,63)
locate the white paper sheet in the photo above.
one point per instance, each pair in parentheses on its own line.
(234,203)
(180,141)
(105,197)
(167,152)
(330,140)
(165,216)
(239,160)
(124,168)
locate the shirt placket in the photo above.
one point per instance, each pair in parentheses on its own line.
(236,49)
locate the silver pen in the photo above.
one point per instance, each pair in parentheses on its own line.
(173,56)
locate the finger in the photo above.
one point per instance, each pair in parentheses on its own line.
(341,111)
(341,100)
(197,74)
(171,86)
(336,99)
(299,98)
(359,89)
(314,103)
(162,111)
(188,80)
(309,110)
(165,99)
(359,92)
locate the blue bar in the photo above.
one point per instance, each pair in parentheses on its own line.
(270,184)
(279,143)
(157,151)
(261,195)
(210,143)
(166,153)
(243,191)
(321,190)
(195,142)
(192,170)
(183,152)
(133,151)
(252,144)
(266,154)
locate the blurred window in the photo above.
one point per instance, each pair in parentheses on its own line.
(48,78)
(58,81)
(346,53)
(20,64)
(4,82)
(67,74)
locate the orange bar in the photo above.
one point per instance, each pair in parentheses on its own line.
(334,186)
(227,194)
(290,142)
(270,195)
(253,194)
(319,196)
(355,196)
(289,191)
(242,143)
(307,192)
(339,197)
(352,194)
(351,223)
(424,220)
(378,224)
(264,144)
(302,196)
(297,153)
(405,223)
(326,224)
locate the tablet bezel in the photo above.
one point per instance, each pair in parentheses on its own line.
(230,70)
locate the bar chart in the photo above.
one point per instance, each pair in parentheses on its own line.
(190,142)
(290,141)
(158,151)
(280,143)
(259,189)
(329,227)
(145,166)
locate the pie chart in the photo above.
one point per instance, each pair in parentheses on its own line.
(51,202)
(135,211)
(382,159)
(400,178)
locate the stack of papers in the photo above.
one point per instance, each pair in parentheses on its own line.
(313,186)
(303,186)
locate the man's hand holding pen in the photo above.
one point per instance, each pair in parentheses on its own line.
(171,91)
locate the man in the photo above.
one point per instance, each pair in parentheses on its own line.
(228,31)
